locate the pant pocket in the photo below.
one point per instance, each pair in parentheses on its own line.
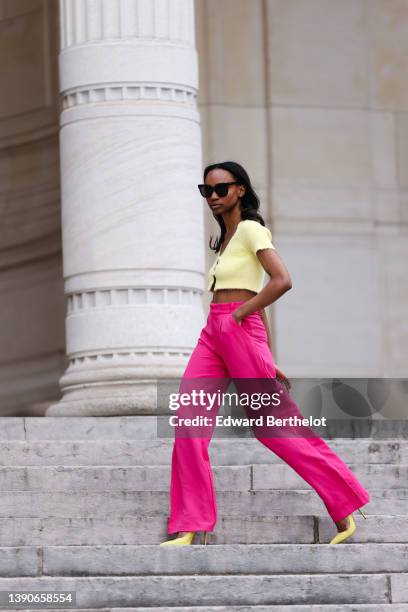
(255,328)
(229,324)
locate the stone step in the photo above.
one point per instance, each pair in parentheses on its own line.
(396,607)
(145,529)
(212,589)
(78,428)
(158,452)
(288,608)
(379,476)
(157,478)
(147,427)
(219,559)
(392,607)
(141,503)
(227,559)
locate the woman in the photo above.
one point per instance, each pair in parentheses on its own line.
(236,343)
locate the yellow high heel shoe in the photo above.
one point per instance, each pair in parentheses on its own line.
(183,540)
(343,535)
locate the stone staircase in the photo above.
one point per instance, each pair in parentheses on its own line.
(80,495)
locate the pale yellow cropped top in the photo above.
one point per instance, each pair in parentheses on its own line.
(238,267)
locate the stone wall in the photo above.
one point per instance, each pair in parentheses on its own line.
(312,98)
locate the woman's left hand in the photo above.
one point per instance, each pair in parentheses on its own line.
(237,318)
(283,378)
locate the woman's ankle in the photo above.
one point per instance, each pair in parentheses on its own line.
(343,524)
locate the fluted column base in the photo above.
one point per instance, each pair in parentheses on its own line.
(116,385)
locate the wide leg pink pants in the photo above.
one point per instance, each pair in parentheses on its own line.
(225,350)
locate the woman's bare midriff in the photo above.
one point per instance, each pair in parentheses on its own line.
(232,295)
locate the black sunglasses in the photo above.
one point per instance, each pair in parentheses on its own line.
(221,189)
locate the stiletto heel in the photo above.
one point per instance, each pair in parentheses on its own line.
(343,535)
(181,541)
(184,540)
(362,513)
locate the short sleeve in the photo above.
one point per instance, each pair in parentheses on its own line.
(256,236)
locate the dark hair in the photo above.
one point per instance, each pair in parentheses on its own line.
(249,201)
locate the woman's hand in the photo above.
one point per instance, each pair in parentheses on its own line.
(283,378)
(236,316)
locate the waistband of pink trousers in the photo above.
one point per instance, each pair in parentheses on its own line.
(223,307)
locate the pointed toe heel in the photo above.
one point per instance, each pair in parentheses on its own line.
(184,540)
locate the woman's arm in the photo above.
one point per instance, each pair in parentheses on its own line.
(279,283)
(279,374)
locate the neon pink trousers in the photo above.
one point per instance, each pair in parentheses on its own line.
(225,350)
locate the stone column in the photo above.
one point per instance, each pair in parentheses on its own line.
(132,218)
